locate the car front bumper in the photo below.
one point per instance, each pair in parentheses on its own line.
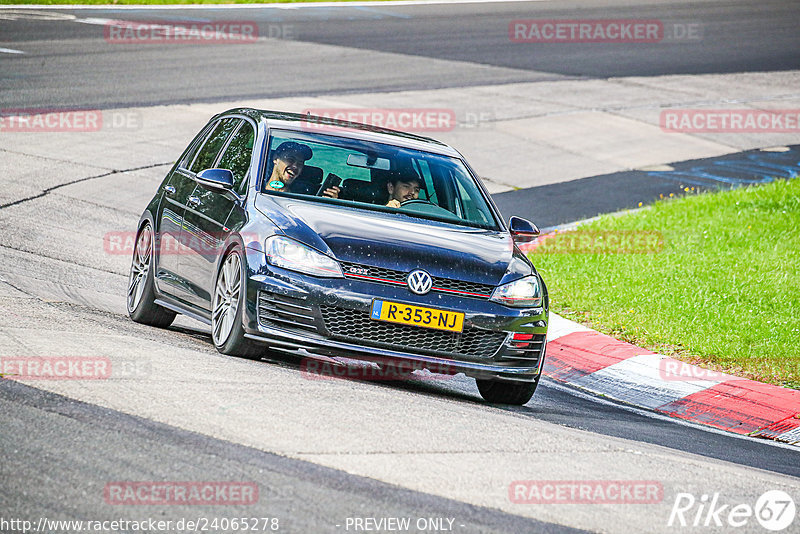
(330,317)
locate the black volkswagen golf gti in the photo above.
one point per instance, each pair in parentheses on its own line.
(306,235)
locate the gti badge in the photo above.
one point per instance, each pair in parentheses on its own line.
(419,282)
(358,270)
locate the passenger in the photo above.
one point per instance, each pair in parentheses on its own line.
(288,161)
(402,189)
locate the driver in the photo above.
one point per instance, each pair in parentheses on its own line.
(402,189)
(288,161)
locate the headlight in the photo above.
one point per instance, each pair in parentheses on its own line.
(522,293)
(295,256)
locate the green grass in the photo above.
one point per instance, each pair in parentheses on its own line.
(723,293)
(155,2)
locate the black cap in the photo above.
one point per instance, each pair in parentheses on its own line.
(290,146)
(406,176)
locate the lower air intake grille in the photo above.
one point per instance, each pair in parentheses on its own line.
(351,325)
(285,312)
(528,352)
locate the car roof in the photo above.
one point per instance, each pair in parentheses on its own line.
(312,123)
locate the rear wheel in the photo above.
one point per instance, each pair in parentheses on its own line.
(502,392)
(227,309)
(141,295)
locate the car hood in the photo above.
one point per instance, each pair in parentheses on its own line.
(399,242)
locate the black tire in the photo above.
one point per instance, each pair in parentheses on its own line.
(232,343)
(141,297)
(504,392)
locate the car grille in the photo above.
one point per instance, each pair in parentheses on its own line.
(528,352)
(285,311)
(390,276)
(352,325)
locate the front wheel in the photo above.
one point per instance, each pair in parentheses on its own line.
(141,295)
(227,307)
(502,392)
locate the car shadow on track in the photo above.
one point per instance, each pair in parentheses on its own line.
(316,368)
(557,404)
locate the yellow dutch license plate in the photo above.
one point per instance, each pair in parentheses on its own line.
(394,312)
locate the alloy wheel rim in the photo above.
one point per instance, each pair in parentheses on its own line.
(140,267)
(226,299)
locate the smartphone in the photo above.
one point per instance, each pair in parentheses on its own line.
(330,181)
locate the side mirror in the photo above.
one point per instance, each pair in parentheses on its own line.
(522,230)
(216,179)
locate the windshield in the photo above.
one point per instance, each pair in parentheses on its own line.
(375,176)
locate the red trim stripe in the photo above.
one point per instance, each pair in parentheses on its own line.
(395,282)
(460,292)
(581,353)
(365,277)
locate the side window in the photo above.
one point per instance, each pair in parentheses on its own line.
(208,154)
(421,166)
(197,143)
(469,201)
(237,156)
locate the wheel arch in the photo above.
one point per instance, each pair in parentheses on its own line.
(147,217)
(233,241)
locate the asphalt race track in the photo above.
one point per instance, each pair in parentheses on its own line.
(470,41)
(323,453)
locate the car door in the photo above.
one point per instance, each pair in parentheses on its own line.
(206,226)
(176,192)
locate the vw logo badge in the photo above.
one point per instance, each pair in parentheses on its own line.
(419,282)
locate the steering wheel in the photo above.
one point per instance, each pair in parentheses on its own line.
(423,207)
(415,201)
